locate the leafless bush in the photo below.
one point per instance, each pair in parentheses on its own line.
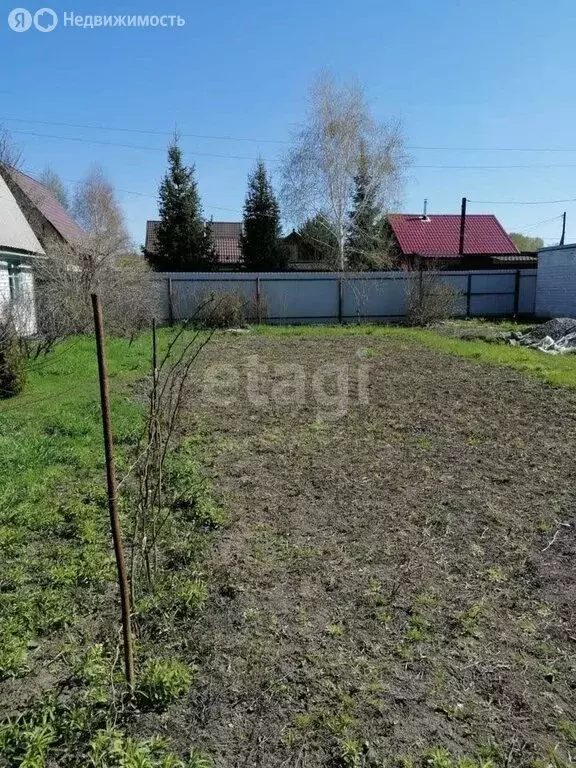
(102,262)
(167,393)
(222,309)
(429,298)
(67,277)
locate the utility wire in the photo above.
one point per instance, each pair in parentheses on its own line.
(118,129)
(276,160)
(522,202)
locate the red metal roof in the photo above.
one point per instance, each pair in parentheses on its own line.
(439,234)
(49,207)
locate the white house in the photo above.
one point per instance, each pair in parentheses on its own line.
(19,247)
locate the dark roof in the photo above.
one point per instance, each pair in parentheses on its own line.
(226,228)
(228,250)
(226,239)
(439,235)
(151,232)
(52,210)
(519,258)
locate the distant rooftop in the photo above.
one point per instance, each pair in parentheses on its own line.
(439,235)
(226,239)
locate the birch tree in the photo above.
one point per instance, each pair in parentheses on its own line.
(339,139)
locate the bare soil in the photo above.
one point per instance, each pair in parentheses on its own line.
(402,577)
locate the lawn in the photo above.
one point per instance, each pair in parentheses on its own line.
(395,585)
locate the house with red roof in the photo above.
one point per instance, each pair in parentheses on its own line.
(454,241)
(47,217)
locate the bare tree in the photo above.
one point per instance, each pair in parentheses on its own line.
(10,155)
(103,261)
(321,168)
(52,181)
(98,212)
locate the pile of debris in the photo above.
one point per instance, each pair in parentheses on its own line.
(555,337)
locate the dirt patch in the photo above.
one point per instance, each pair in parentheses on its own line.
(390,581)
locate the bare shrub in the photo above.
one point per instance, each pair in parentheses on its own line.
(223,309)
(169,387)
(101,262)
(65,280)
(430,299)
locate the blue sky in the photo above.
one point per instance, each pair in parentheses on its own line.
(497,74)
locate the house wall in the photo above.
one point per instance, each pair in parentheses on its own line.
(556,290)
(24,309)
(329,297)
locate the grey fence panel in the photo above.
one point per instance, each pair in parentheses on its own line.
(189,295)
(377,297)
(527,294)
(492,304)
(300,297)
(486,282)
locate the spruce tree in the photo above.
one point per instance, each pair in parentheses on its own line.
(260,240)
(365,248)
(184,240)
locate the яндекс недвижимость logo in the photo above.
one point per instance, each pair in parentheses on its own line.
(21,20)
(46,20)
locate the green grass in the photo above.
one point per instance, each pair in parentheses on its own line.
(58,596)
(555,370)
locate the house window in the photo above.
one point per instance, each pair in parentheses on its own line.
(15,282)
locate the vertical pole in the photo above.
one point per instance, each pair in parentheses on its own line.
(517,292)
(469,295)
(112,493)
(154,363)
(170,303)
(258,304)
(154,349)
(340,298)
(563,237)
(462,227)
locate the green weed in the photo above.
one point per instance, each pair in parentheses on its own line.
(163,681)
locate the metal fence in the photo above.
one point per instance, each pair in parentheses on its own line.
(331,297)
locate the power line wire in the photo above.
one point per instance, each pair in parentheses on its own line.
(522,202)
(150,132)
(144,131)
(132,146)
(275,160)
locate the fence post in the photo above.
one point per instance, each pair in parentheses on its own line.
(258,305)
(469,295)
(517,292)
(340,298)
(170,303)
(113,496)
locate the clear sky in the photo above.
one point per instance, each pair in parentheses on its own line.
(475,76)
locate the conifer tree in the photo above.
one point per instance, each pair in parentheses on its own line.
(365,244)
(184,240)
(260,240)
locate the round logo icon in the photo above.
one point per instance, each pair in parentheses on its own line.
(45,20)
(20,20)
